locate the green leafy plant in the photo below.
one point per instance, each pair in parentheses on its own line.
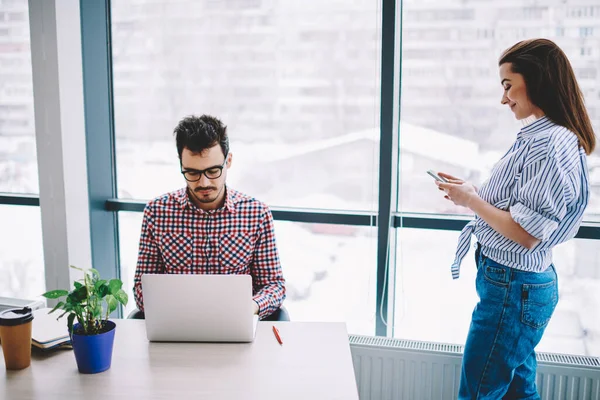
(86,301)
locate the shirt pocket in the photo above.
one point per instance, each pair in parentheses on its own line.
(235,253)
(177,252)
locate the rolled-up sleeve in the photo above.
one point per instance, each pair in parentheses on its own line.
(149,258)
(540,194)
(268,282)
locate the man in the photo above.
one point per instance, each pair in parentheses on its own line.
(207,227)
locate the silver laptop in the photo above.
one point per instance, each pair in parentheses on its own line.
(198,308)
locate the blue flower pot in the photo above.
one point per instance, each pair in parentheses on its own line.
(93,353)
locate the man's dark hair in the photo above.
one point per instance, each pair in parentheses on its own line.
(201,133)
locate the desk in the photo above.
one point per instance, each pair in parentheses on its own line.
(313,363)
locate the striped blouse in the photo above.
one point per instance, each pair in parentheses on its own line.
(543,181)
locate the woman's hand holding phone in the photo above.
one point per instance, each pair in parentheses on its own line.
(435,176)
(451,179)
(457,190)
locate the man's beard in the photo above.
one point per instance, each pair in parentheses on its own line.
(208,198)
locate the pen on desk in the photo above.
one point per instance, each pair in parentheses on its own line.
(276,332)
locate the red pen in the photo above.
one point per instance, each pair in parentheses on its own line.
(276,332)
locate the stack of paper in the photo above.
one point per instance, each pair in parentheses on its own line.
(7,303)
(48,333)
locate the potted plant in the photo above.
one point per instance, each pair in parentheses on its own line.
(93,335)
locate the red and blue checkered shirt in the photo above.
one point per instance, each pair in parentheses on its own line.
(239,238)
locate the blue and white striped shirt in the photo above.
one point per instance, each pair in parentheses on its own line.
(543,181)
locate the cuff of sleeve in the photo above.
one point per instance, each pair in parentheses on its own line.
(139,300)
(264,310)
(534,223)
(455,269)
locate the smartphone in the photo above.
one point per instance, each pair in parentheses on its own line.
(437,177)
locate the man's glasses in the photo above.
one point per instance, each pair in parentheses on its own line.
(194,175)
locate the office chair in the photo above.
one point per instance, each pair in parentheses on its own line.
(281,314)
(136,314)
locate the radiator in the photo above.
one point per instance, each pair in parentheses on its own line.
(394,369)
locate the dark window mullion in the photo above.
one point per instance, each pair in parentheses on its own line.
(19,199)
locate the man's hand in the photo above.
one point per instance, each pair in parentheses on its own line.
(255,305)
(459,192)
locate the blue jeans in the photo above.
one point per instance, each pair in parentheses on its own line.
(508,322)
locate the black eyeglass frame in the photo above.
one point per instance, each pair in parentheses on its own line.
(201,172)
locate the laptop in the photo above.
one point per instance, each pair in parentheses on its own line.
(198,308)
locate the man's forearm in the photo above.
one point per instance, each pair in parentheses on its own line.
(502,222)
(269,298)
(148,263)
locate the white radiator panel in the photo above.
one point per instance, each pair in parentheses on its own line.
(392,369)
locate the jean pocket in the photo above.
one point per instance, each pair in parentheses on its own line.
(538,301)
(494,273)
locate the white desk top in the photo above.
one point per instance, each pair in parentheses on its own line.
(313,363)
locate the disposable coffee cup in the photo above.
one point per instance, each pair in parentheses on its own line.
(15,336)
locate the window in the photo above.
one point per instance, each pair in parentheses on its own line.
(466,132)
(329,270)
(130,226)
(18,162)
(586,31)
(581,12)
(424,286)
(297,86)
(586,73)
(449,303)
(522,13)
(438,13)
(301,104)
(459,126)
(485,33)
(21,252)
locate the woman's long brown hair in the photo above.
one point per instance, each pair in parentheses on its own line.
(552,86)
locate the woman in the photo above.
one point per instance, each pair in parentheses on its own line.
(533,200)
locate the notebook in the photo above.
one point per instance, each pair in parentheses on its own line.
(48,333)
(6,303)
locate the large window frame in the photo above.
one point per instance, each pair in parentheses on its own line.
(100,144)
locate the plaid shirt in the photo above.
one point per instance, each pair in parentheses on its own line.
(179,238)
